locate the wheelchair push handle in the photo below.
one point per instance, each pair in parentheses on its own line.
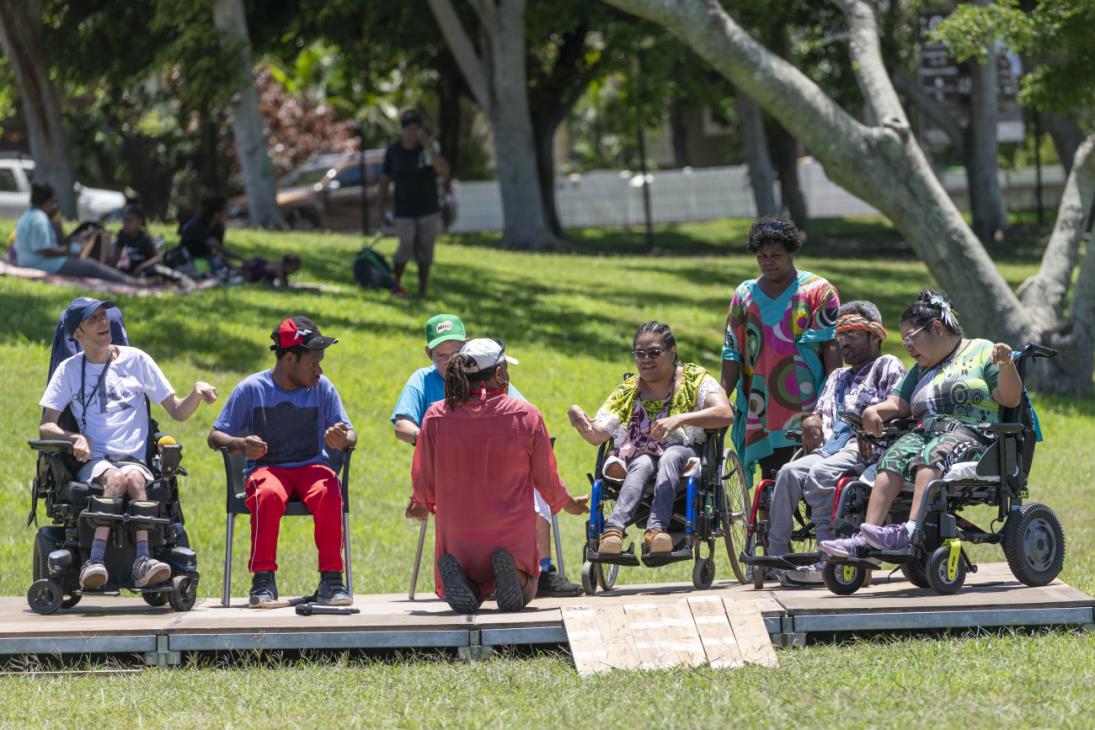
(1034,350)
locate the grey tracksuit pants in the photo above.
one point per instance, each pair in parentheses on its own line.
(813,478)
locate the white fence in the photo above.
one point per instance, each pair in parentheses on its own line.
(615,198)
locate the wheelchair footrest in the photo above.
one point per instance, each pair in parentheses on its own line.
(790,561)
(654,560)
(626,558)
(871,562)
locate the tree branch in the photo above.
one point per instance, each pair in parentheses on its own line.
(463,51)
(1046,293)
(933,109)
(870,71)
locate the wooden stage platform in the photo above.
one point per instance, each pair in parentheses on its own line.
(991,598)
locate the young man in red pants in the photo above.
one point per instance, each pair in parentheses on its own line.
(286,420)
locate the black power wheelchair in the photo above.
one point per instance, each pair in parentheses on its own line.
(711,506)
(1031,534)
(76,509)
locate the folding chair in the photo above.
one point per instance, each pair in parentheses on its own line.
(235,463)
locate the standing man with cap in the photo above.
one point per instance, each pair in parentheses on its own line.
(106,386)
(480,454)
(286,421)
(445,335)
(413,163)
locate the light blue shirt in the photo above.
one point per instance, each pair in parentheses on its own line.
(32,234)
(424,388)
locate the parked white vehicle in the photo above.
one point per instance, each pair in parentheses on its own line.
(15,178)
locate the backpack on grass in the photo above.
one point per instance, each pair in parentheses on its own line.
(371,268)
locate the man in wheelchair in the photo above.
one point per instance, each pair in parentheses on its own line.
(830,449)
(953,391)
(106,387)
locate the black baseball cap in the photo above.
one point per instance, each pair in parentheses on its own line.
(299,332)
(410,117)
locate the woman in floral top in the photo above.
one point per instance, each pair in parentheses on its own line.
(956,384)
(654,420)
(778,348)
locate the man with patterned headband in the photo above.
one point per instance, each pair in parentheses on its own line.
(829,447)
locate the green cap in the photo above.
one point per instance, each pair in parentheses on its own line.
(442,328)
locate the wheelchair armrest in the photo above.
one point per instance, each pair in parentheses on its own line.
(51,446)
(1004,428)
(793,434)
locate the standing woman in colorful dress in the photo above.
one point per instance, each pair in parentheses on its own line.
(779,347)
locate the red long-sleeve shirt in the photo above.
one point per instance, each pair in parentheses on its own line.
(479,463)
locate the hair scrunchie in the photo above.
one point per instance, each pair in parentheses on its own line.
(946,313)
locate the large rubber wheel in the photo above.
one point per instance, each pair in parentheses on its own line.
(155,599)
(733,509)
(938,579)
(45,596)
(1034,544)
(184,591)
(591,577)
(843,579)
(703,573)
(914,573)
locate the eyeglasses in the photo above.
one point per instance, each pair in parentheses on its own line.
(907,339)
(653,353)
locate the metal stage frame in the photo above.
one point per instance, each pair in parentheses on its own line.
(992,598)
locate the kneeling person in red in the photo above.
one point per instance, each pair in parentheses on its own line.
(286,421)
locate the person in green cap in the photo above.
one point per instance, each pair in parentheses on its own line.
(445,335)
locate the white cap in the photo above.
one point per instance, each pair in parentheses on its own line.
(487,353)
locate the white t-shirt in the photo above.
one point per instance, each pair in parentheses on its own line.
(117,419)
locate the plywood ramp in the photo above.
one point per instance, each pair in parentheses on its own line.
(677,632)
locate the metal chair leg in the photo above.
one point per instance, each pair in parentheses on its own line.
(346,552)
(229,533)
(558,546)
(418,557)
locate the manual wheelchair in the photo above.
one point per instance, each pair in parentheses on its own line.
(711,506)
(1031,534)
(76,509)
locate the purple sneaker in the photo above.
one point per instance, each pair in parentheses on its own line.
(887,537)
(844,548)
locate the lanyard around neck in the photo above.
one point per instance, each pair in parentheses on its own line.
(100,388)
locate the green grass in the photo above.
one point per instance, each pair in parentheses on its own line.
(568,317)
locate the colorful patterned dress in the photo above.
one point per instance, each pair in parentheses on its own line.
(778,343)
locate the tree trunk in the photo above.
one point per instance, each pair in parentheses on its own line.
(258,173)
(21,38)
(543,132)
(754,143)
(678,129)
(449,115)
(499,84)
(1066,135)
(987,207)
(784,150)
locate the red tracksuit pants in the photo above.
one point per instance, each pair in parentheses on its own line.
(269,488)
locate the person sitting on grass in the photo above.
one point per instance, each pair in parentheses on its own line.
(830,449)
(262,271)
(287,421)
(135,253)
(480,455)
(655,421)
(203,241)
(445,336)
(37,245)
(106,386)
(955,385)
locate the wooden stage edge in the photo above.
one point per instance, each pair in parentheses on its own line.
(992,598)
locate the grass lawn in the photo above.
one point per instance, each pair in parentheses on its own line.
(568,317)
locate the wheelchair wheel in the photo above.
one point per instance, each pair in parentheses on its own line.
(592,577)
(45,596)
(155,599)
(184,591)
(939,577)
(703,573)
(1034,544)
(914,573)
(843,579)
(607,576)
(733,511)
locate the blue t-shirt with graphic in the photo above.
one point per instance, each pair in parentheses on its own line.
(424,388)
(291,422)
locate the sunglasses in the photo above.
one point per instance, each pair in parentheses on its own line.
(653,353)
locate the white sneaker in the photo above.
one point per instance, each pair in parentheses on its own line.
(804,576)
